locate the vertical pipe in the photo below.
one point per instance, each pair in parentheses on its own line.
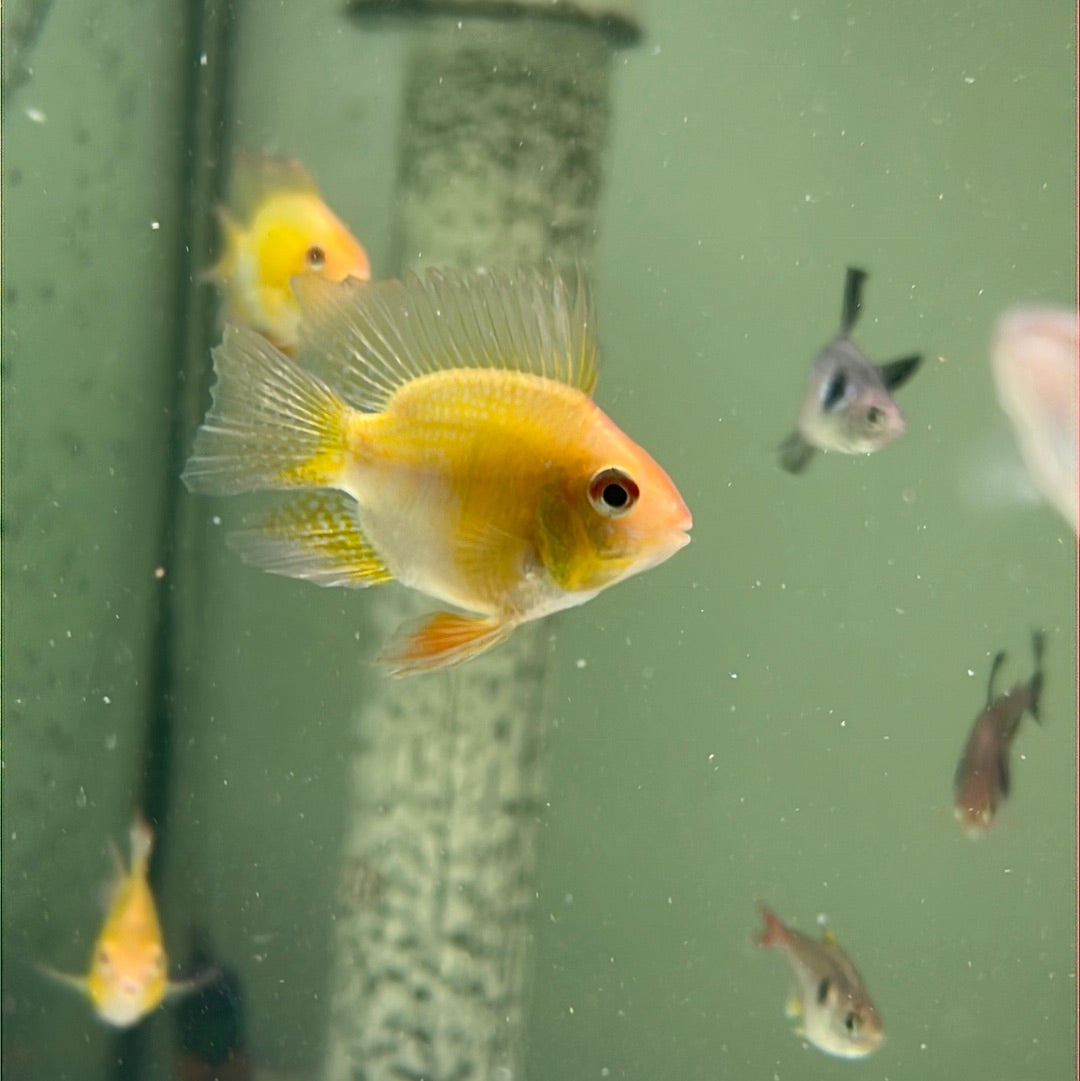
(504,127)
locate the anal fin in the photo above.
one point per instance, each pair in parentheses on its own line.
(441,640)
(314,536)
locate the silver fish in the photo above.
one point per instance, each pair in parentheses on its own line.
(981,781)
(848,405)
(830,998)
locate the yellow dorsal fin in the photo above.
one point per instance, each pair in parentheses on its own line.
(370,338)
(315,536)
(256,176)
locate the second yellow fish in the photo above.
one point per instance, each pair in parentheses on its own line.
(278,228)
(128,975)
(445,429)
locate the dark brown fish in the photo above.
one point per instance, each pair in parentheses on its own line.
(982,775)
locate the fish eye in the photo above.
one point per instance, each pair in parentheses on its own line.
(874,415)
(823,990)
(851,1021)
(612,493)
(315,257)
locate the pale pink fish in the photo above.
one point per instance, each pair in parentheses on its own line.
(1034,361)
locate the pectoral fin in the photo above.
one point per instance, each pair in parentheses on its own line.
(441,640)
(795,453)
(179,988)
(78,983)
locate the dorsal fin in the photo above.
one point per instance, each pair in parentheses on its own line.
(255,176)
(368,339)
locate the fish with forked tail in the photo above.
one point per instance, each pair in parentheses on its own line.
(848,405)
(981,780)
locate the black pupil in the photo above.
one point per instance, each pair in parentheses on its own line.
(873,414)
(615,496)
(823,990)
(849,1022)
(315,257)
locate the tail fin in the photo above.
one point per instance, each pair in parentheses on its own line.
(774,933)
(271,425)
(142,844)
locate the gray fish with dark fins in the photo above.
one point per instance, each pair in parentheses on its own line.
(981,781)
(849,405)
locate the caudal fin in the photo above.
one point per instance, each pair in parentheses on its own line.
(774,933)
(271,424)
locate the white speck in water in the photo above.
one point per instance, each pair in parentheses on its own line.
(580,662)
(106,699)
(202,60)
(605,1072)
(969,79)
(159,573)
(80,797)
(216,520)
(922,1047)
(110,741)
(571,1009)
(971,671)
(568,898)
(795,15)
(734,675)
(36,115)
(155,225)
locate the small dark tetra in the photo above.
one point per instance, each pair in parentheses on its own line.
(981,781)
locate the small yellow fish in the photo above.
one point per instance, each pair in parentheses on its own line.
(284,230)
(128,975)
(830,998)
(449,440)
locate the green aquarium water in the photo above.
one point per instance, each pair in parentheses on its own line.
(545,864)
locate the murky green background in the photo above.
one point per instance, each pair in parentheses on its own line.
(775,714)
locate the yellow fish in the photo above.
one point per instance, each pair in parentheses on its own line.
(284,230)
(128,975)
(445,430)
